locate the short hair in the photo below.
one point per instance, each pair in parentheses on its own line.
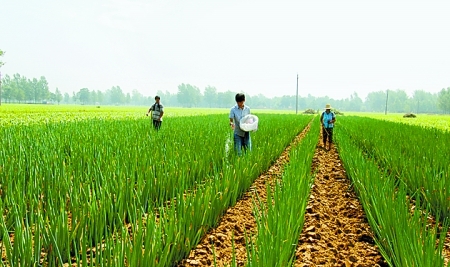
(157,97)
(240,97)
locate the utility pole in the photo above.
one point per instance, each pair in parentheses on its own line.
(387,96)
(296,99)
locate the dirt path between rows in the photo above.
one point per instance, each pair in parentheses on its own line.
(237,222)
(335,233)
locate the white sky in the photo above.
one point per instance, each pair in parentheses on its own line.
(336,47)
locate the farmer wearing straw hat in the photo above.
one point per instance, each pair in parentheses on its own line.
(242,140)
(327,120)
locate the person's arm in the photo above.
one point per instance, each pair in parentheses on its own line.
(231,119)
(149,110)
(321,119)
(161,114)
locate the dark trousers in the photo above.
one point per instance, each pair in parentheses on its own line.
(327,133)
(157,124)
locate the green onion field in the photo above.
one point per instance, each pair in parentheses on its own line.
(97,186)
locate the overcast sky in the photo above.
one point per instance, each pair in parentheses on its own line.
(336,47)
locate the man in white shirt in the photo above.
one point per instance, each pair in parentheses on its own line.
(242,140)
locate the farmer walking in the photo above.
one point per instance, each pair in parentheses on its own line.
(242,140)
(327,120)
(157,112)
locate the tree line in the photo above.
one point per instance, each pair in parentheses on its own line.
(1,64)
(19,89)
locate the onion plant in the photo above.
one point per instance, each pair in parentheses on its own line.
(398,216)
(182,224)
(109,191)
(280,219)
(417,155)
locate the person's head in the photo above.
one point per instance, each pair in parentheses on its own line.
(157,98)
(240,99)
(327,108)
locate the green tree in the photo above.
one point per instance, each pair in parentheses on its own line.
(116,95)
(355,103)
(398,101)
(75,97)
(34,89)
(424,102)
(44,92)
(1,55)
(376,101)
(39,89)
(167,98)
(100,96)
(58,95)
(93,98)
(84,96)
(128,98)
(17,87)
(7,88)
(1,64)
(51,97)
(210,96)
(24,85)
(286,102)
(444,100)
(66,98)
(226,99)
(136,97)
(188,95)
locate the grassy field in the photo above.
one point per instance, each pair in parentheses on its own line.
(33,113)
(26,114)
(75,180)
(426,120)
(96,186)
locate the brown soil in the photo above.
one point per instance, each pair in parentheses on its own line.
(335,233)
(237,223)
(447,249)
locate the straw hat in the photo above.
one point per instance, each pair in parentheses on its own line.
(327,106)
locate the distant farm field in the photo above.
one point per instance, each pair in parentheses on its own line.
(26,113)
(439,121)
(36,113)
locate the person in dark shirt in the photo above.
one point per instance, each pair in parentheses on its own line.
(157,112)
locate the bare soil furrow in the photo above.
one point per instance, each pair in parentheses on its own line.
(238,223)
(336,232)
